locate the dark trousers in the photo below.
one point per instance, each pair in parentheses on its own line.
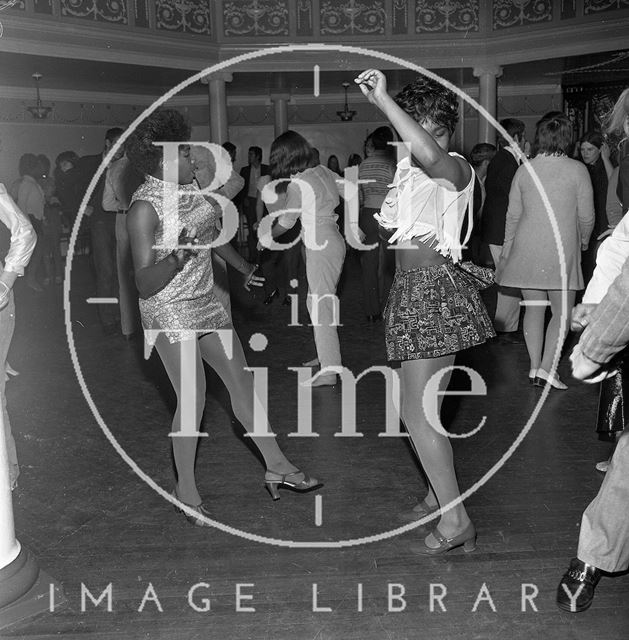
(369,262)
(280,268)
(249,211)
(103,235)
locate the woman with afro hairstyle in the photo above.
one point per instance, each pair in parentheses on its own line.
(177,301)
(434,309)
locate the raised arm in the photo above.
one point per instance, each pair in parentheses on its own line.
(433,158)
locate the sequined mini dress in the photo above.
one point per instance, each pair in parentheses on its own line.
(187,304)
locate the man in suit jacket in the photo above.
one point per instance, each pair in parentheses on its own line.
(604,534)
(102,231)
(248,196)
(500,172)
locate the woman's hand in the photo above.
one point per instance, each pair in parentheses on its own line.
(581,316)
(606,151)
(186,248)
(373,84)
(251,280)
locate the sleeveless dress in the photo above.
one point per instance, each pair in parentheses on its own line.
(187,305)
(435,310)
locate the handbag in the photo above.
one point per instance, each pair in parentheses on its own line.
(480,277)
(613,401)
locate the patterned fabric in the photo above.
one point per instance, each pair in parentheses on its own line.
(187,303)
(434,311)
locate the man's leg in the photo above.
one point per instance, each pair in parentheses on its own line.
(507,302)
(604,535)
(103,232)
(128,294)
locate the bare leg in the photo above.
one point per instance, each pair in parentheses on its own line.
(240,386)
(184,448)
(533,325)
(434,449)
(558,326)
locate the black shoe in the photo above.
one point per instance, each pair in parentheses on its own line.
(580,580)
(274,294)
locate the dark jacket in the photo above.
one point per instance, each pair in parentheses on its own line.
(245,173)
(500,174)
(83,173)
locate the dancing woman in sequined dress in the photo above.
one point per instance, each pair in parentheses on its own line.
(177,299)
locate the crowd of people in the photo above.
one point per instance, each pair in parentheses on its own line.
(536,213)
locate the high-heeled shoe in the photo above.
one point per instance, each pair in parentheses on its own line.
(199,508)
(9,370)
(273,481)
(419,511)
(544,377)
(532,376)
(465,539)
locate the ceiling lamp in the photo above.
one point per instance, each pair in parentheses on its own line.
(346,115)
(39,111)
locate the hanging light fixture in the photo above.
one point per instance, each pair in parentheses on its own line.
(347,115)
(39,111)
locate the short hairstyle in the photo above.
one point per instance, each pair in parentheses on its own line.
(290,154)
(44,162)
(513,127)
(66,156)
(380,139)
(230,147)
(330,161)
(165,125)
(354,160)
(481,152)
(257,152)
(616,118)
(426,98)
(594,138)
(30,165)
(111,135)
(554,135)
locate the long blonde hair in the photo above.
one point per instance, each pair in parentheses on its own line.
(616,119)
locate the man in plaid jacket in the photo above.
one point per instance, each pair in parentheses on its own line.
(604,535)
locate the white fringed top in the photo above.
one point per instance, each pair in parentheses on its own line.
(420,207)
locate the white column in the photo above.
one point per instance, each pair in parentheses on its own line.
(488,98)
(218,106)
(280,110)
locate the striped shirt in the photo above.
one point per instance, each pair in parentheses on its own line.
(380,168)
(607,331)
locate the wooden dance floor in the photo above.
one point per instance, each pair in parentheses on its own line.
(93,522)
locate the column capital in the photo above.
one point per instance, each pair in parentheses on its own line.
(279,95)
(225,76)
(487,70)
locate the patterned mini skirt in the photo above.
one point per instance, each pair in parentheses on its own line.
(434,311)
